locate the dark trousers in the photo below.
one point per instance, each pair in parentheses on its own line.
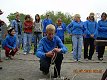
(101,49)
(104,75)
(45,64)
(8,53)
(88,42)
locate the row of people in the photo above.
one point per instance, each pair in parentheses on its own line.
(87,31)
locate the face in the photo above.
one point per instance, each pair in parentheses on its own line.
(50,35)
(28,19)
(13,32)
(18,17)
(37,17)
(59,23)
(91,17)
(103,17)
(47,16)
(77,19)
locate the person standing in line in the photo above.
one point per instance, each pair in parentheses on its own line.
(37,31)
(90,35)
(17,25)
(27,36)
(49,46)
(76,29)
(46,22)
(60,29)
(102,34)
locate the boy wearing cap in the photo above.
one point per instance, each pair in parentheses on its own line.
(46,22)
(76,29)
(90,35)
(49,46)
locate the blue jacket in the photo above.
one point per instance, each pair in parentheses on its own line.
(102,29)
(46,45)
(91,28)
(45,23)
(76,28)
(10,41)
(60,31)
(14,24)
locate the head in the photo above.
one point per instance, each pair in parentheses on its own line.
(77,17)
(1,12)
(50,31)
(103,16)
(37,18)
(59,22)
(28,18)
(17,16)
(91,16)
(47,16)
(11,31)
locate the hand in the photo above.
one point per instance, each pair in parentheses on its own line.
(49,54)
(56,50)
(92,35)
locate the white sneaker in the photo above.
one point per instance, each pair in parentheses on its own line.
(24,53)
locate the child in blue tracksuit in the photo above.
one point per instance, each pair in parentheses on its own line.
(102,34)
(60,29)
(76,29)
(9,44)
(49,46)
(90,35)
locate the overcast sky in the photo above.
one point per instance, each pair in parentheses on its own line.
(32,7)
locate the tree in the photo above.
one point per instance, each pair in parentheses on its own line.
(11,17)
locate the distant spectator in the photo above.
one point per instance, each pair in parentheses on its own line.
(37,31)
(60,29)
(17,25)
(102,34)
(27,36)
(46,22)
(90,35)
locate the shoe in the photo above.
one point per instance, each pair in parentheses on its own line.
(79,60)
(100,59)
(1,60)
(45,73)
(24,53)
(7,58)
(86,59)
(75,60)
(0,67)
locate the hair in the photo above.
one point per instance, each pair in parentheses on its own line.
(28,16)
(37,20)
(104,14)
(77,15)
(50,27)
(10,30)
(17,14)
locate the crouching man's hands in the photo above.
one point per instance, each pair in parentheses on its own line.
(51,53)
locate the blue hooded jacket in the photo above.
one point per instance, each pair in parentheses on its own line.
(60,31)
(10,41)
(15,24)
(76,28)
(91,28)
(45,23)
(102,29)
(45,45)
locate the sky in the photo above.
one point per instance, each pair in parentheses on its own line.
(32,7)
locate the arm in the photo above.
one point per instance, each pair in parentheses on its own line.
(96,30)
(86,27)
(13,24)
(69,28)
(61,46)
(14,46)
(101,28)
(7,44)
(40,52)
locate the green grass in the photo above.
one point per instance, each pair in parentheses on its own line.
(69,46)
